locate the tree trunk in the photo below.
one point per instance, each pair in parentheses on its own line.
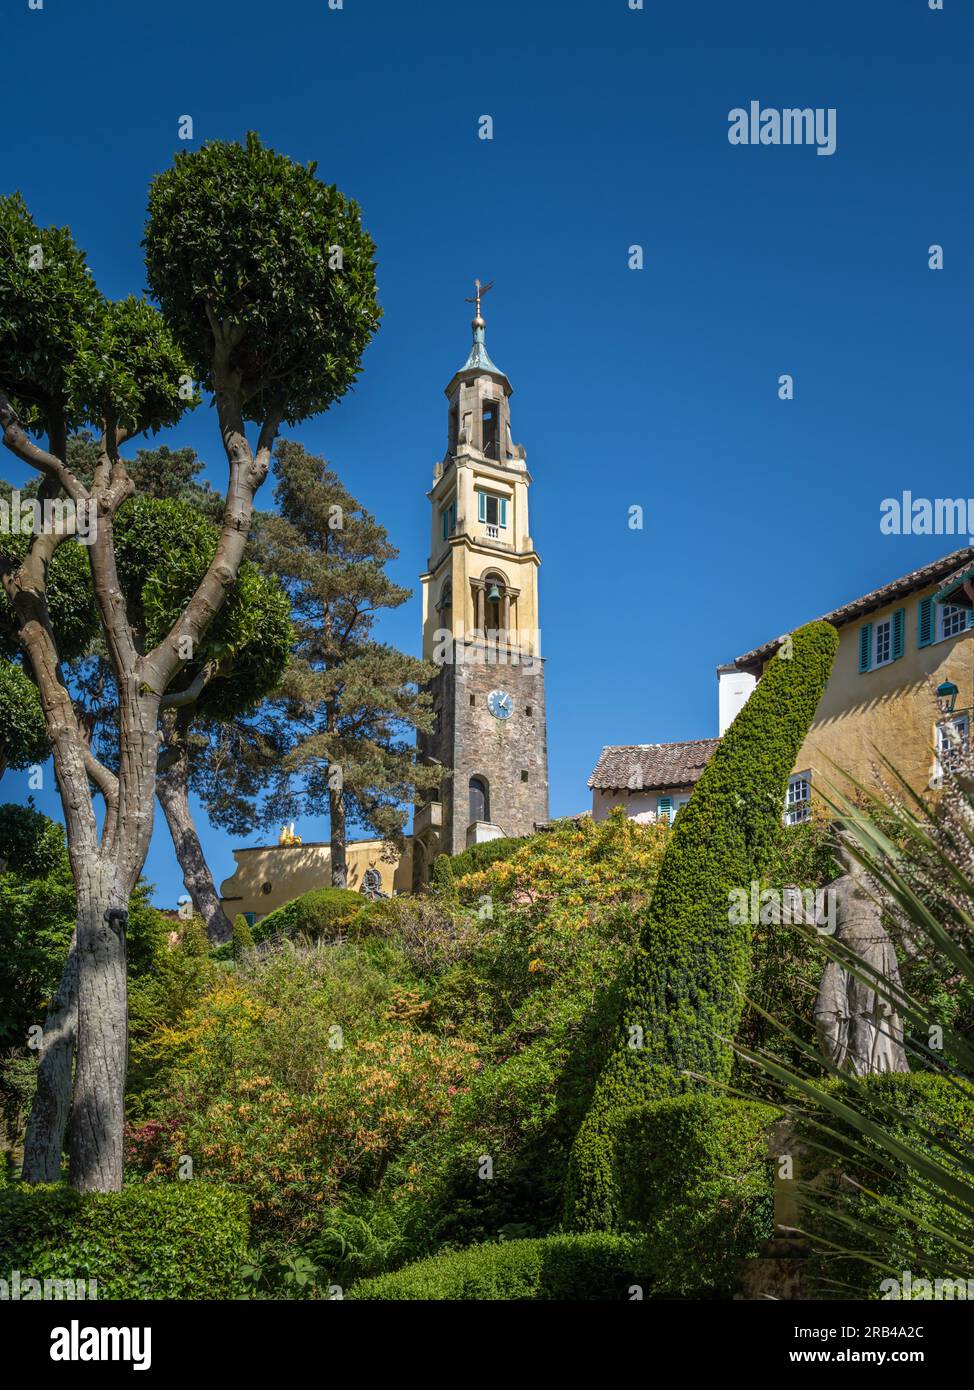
(44,1141)
(336,819)
(173,793)
(98,1112)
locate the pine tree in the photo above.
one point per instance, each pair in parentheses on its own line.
(356,702)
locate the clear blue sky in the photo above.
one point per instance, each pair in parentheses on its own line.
(656,388)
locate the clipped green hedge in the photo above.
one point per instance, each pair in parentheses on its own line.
(685,994)
(695,1179)
(930,1113)
(478,857)
(593,1267)
(158,1240)
(320,912)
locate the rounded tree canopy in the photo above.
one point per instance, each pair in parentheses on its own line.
(128,371)
(70,600)
(245,239)
(23,733)
(67,353)
(47,298)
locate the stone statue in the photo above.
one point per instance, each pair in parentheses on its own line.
(372,884)
(859,1031)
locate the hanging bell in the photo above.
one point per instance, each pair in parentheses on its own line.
(493,593)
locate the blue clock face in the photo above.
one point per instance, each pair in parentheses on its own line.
(500,704)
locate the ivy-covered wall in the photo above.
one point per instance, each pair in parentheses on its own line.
(685,993)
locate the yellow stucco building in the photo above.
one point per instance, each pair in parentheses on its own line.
(899,646)
(901,687)
(268,876)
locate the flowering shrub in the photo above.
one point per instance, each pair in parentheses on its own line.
(565,877)
(297,1078)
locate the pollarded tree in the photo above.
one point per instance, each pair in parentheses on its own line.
(265,280)
(685,992)
(354,702)
(163,548)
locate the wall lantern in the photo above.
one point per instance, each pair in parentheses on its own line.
(947,697)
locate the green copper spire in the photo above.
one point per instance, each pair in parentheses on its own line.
(479,358)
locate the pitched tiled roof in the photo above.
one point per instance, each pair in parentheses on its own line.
(952,590)
(878,598)
(643,766)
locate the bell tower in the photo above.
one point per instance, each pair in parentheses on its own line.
(480,624)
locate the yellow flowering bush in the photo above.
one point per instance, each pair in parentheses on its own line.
(286,1083)
(564,877)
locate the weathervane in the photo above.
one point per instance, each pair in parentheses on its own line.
(478,321)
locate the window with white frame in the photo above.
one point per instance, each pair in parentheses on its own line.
(953,741)
(798,799)
(883,643)
(492,513)
(951,620)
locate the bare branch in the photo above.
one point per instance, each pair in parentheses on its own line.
(247,472)
(18,442)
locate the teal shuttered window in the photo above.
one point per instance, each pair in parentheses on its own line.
(664,809)
(865,646)
(899,618)
(925,622)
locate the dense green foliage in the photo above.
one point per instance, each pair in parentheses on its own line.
(913,1224)
(321,912)
(37,909)
(694,1176)
(243,938)
(685,995)
(247,236)
(477,857)
(42,306)
(469,1028)
(592,1267)
(23,733)
(151,1241)
(352,703)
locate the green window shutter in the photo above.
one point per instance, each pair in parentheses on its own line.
(444,517)
(865,646)
(453,516)
(503,511)
(898,618)
(664,808)
(970,617)
(925,622)
(481,506)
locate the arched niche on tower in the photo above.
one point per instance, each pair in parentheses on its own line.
(494,600)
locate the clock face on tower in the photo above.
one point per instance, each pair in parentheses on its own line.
(500,704)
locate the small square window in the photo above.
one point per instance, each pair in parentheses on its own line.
(528,711)
(952,618)
(883,643)
(473,701)
(798,801)
(524,776)
(953,741)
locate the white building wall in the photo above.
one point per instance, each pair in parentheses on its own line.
(733,691)
(639,806)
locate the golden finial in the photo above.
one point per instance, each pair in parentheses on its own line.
(478,321)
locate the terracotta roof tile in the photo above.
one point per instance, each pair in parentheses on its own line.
(878,598)
(644,766)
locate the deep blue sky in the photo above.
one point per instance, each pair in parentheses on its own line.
(656,387)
